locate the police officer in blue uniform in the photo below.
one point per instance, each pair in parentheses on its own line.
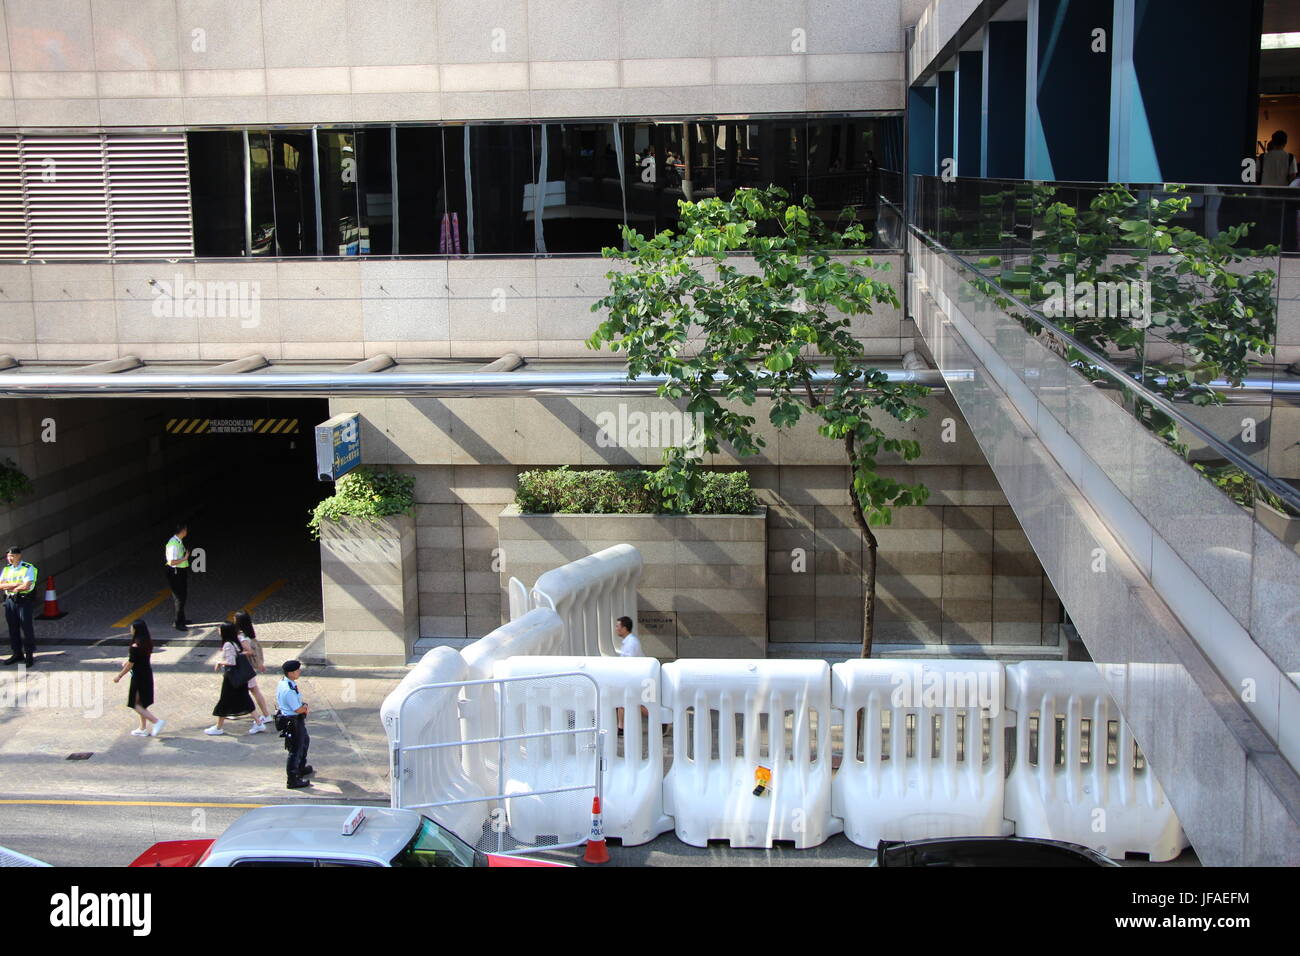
(291,721)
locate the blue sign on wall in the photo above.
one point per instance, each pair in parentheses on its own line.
(338,446)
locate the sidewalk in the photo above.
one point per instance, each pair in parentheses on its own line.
(68,703)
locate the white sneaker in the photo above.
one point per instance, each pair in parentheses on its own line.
(139,733)
(214,731)
(157,727)
(257,728)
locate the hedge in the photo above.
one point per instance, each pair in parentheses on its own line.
(602,492)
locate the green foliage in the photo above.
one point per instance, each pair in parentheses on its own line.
(13,483)
(561,491)
(1202,302)
(365,494)
(754,330)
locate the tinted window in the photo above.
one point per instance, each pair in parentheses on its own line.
(217,191)
(295,193)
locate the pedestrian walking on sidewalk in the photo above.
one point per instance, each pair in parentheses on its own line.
(292,724)
(248,638)
(177,557)
(139,696)
(234,700)
(18,585)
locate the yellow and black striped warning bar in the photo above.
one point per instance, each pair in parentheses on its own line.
(232,426)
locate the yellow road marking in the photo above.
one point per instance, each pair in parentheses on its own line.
(143,609)
(260,596)
(126,803)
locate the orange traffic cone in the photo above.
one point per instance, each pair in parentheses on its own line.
(596,852)
(51,612)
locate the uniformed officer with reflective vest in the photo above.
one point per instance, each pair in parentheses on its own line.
(177,557)
(18,584)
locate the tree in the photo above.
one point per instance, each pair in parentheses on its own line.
(728,339)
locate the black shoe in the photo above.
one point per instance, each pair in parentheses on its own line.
(180,627)
(188,622)
(13,660)
(31,662)
(297,783)
(306,771)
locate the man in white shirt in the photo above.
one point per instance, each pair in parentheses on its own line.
(629,645)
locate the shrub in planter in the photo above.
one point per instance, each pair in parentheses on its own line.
(366,494)
(561,491)
(13,483)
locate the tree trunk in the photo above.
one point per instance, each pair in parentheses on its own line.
(869,565)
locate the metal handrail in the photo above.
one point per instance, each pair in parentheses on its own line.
(1281,489)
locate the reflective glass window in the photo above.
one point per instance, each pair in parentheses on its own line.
(217,192)
(580,197)
(295,192)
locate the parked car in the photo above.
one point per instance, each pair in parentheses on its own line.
(297,835)
(986,851)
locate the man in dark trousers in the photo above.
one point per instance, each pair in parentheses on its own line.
(177,557)
(18,586)
(293,712)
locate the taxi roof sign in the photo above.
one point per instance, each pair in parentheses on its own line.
(354,821)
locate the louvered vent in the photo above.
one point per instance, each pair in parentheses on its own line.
(95,197)
(149,196)
(13,215)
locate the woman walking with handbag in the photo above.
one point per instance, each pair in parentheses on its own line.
(238,667)
(248,638)
(139,696)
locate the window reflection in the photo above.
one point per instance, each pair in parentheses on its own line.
(513,189)
(375,189)
(580,197)
(261,194)
(295,193)
(340,224)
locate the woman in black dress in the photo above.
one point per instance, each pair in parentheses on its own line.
(140,695)
(235,701)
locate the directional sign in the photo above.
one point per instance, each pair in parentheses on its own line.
(338,446)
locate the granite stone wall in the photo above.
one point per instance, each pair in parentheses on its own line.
(703,587)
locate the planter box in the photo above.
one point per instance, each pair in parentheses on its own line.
(703,591)
(369,591)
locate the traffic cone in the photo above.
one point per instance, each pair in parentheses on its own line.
(596,852)
(51,612)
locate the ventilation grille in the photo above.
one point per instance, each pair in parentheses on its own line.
(104,196)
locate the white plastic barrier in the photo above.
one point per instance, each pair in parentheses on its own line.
(518,594)
(589,594)
(773,714)
(539,632)
(1075,776)
(412,718)
(923,752)
(633,798)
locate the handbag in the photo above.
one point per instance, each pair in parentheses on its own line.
(242,672)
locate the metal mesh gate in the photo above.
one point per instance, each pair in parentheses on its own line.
(515,769)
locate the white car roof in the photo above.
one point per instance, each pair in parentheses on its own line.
(316,832)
